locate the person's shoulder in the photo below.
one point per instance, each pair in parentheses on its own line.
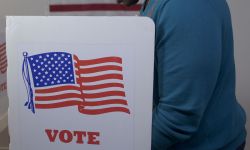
(191,4)
(186,10)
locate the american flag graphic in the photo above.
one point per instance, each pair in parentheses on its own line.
(92,7)
(3,58)
(63,80)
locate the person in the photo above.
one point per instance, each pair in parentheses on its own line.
(195,106)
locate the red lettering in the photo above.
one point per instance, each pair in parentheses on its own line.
(65,136)
(52,137)
(79,135)
(92,138)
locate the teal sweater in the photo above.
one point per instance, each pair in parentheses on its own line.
(195,107)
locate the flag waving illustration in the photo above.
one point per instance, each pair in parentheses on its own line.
(60,79)
(3,58)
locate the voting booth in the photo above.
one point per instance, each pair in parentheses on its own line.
(80,82)
(3,83)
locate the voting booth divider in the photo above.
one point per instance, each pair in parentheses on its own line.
(80,82)
(51,7)
(3,83)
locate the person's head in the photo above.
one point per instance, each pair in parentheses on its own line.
(128,2)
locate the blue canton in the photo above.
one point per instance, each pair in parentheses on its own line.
(53,68)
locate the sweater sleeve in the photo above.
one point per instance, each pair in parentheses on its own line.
(188,58)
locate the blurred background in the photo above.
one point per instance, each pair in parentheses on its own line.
(241,21)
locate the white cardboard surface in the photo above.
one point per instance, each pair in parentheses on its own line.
(129,38)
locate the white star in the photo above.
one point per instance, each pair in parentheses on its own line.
(36,77)
(58,81)
(40,56)
(47,55)
(46,72)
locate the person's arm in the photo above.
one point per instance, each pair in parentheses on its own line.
(188,58)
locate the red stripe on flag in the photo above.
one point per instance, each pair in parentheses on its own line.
(81,109)
(92,7)
(102,86)
(104,110)
(104,94)
(69,103)
(58,97)
(57,89)
(106,102)
(74,95)
(98,61)
(100,69)
(87,87)
(58,105)
(100,78)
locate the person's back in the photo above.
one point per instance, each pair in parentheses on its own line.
(194,97)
